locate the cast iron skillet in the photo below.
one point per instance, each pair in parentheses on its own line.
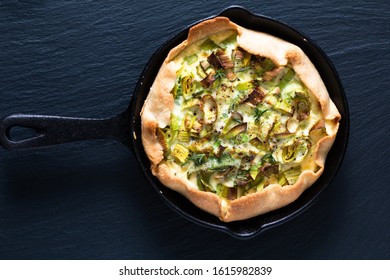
(126,128)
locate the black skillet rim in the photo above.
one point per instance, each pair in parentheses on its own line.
(254,226)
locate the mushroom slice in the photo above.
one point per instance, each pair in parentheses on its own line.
(214,61)
(224,59)
(268,169)
(209,79)
(226,64)
(292,125)
(302,105)
(256,96)
(273,74)
(210,109)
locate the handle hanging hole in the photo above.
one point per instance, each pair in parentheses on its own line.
(19,133)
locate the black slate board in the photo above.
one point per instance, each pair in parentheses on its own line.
(89,200)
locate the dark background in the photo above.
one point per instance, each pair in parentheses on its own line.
(89,200)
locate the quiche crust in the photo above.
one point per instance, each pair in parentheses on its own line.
(159,104)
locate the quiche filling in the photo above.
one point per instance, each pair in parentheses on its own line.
(240,122)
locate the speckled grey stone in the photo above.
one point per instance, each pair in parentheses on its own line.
(89,200)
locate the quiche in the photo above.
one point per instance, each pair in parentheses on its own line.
(237,121)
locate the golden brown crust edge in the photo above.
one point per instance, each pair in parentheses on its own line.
(159,103)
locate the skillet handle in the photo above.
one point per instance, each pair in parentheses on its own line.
(53,130)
